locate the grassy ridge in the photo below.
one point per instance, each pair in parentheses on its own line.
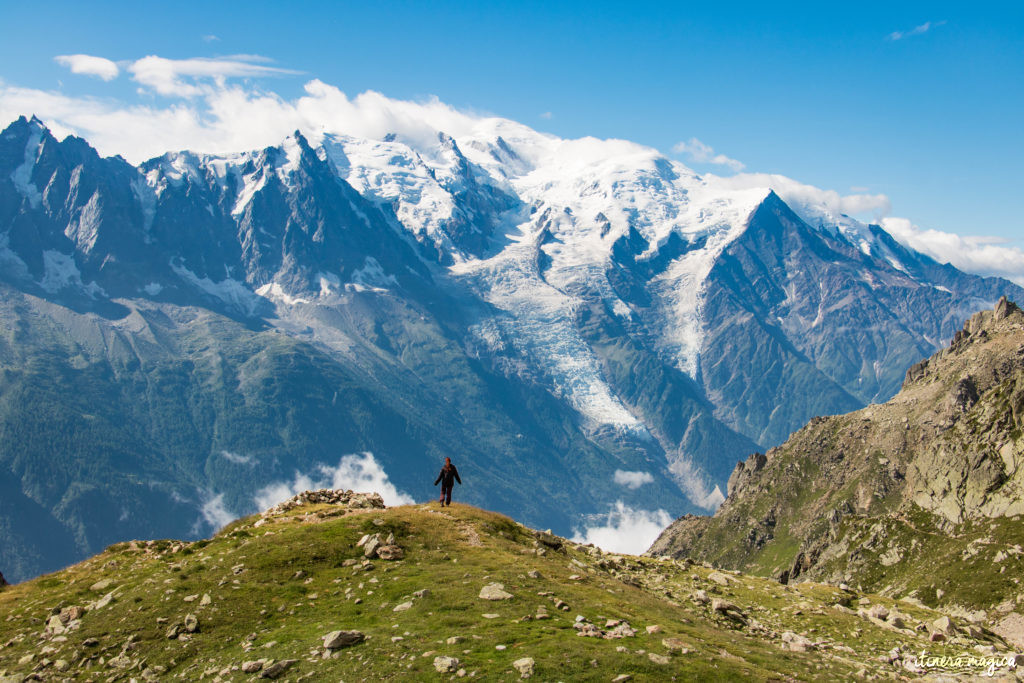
(276,589)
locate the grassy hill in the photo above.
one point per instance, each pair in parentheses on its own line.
(263,593)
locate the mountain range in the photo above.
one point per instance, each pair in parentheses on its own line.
(575,322)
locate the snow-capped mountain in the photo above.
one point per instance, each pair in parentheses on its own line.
(555,312)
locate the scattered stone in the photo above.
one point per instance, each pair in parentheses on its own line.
(796,642)
(252,666)
(191,598)
(622,678)
(174,630)
(500,648)
(878,612)
(91,642)
(191,623)
(588,630)
(494,591)
(676,645)
(524,666)
(206,600)
(658,659)
(445,665)
(101,585)
(371,545)
(277,668)
(719,578)
(490,615)
(534,574)
(944,625)
(104,601)
(455,640)
(654,628)
(422,593)
(700,597)
(402,607)
(622,630)
(335,640)
(937,637)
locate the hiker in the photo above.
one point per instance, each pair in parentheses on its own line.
(448,473)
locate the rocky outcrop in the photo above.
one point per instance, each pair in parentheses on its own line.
(880,495)
(341,497)
(3,582)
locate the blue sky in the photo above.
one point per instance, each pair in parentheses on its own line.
(921,102)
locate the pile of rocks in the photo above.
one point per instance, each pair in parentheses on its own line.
(613,629)
(348,499)
(384,548)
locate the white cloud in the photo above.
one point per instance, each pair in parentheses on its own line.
(625,529)
(916,31)
(238,459)
(210,38)
(215,514)
(185,77)
(89,65)
(358,472)
(632,480)
(547,116)
(698,152)
(983,255)
(798,194)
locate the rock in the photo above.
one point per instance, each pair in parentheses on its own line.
(3,581)
(878,612)
(252,666)
(622,678)
(101,585)
(191,623)
(677,645)
(937,637)
(700,597)
(524,666)
(104,601)
(371,545)
(91,642)
(654,628)
(390,552)
(533,574)
(724,606)
(719,578)
(455,640)
(658,659)
(54,627)
(588,630)
(335,640)
(623,630)
(796,642)
(174,630)
(548,539)
(494,591)
(944,625)
(402,607)
(422,593)
(206,600)
(277,668)
(445,665)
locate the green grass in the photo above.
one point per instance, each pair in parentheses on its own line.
(268,610)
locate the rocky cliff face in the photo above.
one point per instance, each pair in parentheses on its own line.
(920,496)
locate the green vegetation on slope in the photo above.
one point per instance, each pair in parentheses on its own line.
(267,589)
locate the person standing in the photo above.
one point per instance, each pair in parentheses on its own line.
(448,476)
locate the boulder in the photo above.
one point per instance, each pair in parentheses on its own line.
(445,665)
(390,552)
(495,591)
(252,666)
(676,645)
(402,607)
(277,668)
(796,642)
(335,640)
(371,545)
(524,666)
(191,623)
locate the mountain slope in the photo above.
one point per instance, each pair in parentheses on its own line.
(919,496)
(465,592)
(561,316)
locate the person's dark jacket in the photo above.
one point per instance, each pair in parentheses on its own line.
(446,476)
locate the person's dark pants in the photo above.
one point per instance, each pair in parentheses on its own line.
(446,494)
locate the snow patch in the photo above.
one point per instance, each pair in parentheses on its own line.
(372,277)
(22,175)
(275,292)
(230,291)
(624,529)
